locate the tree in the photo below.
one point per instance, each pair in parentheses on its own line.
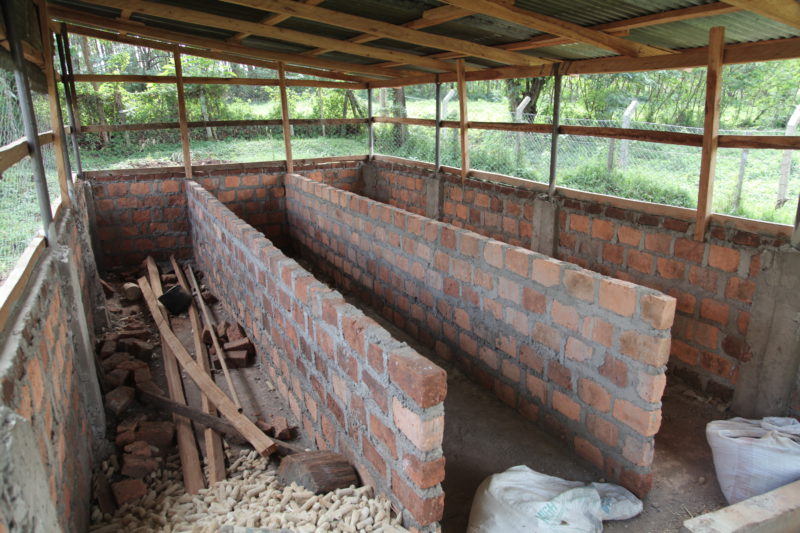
(517,89)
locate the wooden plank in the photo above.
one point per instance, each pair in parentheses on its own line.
(262,444)
(60,152)
(188,80)
(708,157)
(217,346)
(771,142)
(202,18)
(221,56)
(187,444)
(319,472)
(84,18)
(272,20)
(187,154)
(511,126)
(663,137)
(215,455)
(391,31)
(784,11)
(401,120)
(14,285)
(531,19)
(287,130)
(95,128)
(13,153)
(463,131)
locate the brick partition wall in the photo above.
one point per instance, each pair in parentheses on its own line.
(714,282)
(355,388)
(47,378)
(580,352)
(143,212)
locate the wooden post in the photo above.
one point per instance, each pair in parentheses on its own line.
(551,189)
(462,107)
(708,158)
(287,132)
(437,147)
(56,122)
(187,154)
(69,92)
(371,125)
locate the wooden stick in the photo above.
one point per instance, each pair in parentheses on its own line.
(287,131)
(462,107)
(187,153)
(215,455)
(210,324)
(214,423)
(708,157)
(187,443)
(262,444)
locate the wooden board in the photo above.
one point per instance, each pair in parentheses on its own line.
(287,130)
(463,132)
(262,444)
(318,472)
(187,443)
(215,455)
(187,154)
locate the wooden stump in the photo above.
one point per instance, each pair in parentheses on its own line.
(318,471)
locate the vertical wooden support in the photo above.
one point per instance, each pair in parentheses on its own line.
(708,158)
(551,189)
(462,107)
(287,131)
(187,154)
(370,125)
(69,92)
(437,147)
(56,123)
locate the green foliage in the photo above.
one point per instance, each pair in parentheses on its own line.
(629,184)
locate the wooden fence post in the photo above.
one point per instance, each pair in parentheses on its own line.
(187,154)
(462,106)
(551,189)
(287,131)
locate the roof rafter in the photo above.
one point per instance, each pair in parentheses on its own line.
(271,20)
(559,27)
(391,31)
(784,11)
(180,14)
(80,17)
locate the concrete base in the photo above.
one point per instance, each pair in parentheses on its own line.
(776,511)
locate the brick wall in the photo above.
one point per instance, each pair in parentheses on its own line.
(355,388)
(714,282)
(399,185)
(579,352)
(43,379)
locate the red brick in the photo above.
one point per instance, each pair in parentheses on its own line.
(469,244)
(128,490)
(602,229)
(536,387)
(424,434)
(565,315)
(140,188)
(615,371)
(645,423)
(658,242)
(384,434)
(559,374)
(658,310)
(684,302)
(448,238)
(232,182)
(579,223)
(704,334)
(424,474)
(607,432)
(618,296)
(737,347)
(589,451)
(547,335)
(743,322)
(602,332)
(533,301)
(715,311)
(651,387)
(531,359)
(649,350)
(628,235)
(547,272)
(684,352)
(594,395)
(493,253)
(580,284)
(716,364)
(613,254)
(669,269)
(137,466)
(159,434)
(637,451)
(577,350)
(704,278)
(518,261)
(636,482)
(640,261)
(510,371)
(723,258)
(425,510)
(566,405)
(740,289)
(373,456)
(118,400)
(690,250)
(421,380)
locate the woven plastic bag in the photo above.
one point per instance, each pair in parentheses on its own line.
(752,457)
(523,500)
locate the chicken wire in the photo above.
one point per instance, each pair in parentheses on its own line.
(20,219)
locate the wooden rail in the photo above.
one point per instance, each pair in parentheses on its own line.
(97,128)
(207,80)
(16,151)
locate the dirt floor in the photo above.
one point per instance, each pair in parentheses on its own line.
(484,436)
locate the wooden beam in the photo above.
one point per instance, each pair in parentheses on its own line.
(29,52)
(202,52)
(287,129)
(200,80)
(201,18)
(215,455)
(96,128)
(391,31)
(708,158)
(526,17)
(784,11)
(262,444)
(60,152)
(272,20)
(13,153)
(78,17)
(187,444)
(13,287)
(187,153)
(462,118)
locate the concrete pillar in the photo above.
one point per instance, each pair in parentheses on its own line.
(767,381)
(545,225)
(433,195)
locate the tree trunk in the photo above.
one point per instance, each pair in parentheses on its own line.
(204,111)
(101,113)
(400,131)
(518,89)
